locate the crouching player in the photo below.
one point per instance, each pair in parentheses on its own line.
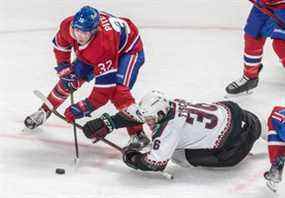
(276,146)
(214,135)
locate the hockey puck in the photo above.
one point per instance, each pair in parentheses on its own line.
(60,171)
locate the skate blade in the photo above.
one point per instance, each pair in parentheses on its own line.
(273,186)
(245,93)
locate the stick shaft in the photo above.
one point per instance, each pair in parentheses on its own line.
(74,129)
(56,113)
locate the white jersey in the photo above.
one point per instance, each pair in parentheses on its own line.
(192,126)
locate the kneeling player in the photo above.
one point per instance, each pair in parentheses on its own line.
(215,135)
(276,146)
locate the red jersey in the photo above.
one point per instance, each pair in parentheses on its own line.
(115,37)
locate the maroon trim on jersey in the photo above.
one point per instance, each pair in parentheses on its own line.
(154,165)
(163,123)
(225,133)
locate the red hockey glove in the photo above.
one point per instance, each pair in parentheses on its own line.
(81,109)
(67,76)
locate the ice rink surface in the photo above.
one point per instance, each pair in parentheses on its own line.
(192,50)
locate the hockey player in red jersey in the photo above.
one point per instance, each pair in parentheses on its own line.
(276,146)
(260,26)
(215,135)
(107,48)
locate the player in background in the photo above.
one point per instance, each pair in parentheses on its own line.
(276,146)
(259,27)
(107,48)
(215,135)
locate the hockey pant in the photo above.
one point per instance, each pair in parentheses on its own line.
(259,27)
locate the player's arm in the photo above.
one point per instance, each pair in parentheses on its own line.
(102,126)
(62,47)
(164,143)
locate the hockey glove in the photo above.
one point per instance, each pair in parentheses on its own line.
(99,128)
(132,157)
(67,76)
(79,110)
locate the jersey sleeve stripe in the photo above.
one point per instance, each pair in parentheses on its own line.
(123,39)
(60,48)
(272,132)
(133,43)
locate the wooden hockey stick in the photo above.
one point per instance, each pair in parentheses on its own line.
(42,97)
(76,159)
(267,11)
(50,106)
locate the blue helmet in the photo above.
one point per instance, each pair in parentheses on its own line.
(86,19)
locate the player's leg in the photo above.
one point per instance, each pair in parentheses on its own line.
(278,36)
(129,65)
(257,28)
(276,150)
(244,135)
(276,144)
(79,72)
(56,97)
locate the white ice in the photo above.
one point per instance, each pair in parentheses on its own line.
(193,50)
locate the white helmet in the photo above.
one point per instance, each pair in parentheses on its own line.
(154,104)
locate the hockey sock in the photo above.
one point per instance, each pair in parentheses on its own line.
(275,151)
(57,96)
(253,52)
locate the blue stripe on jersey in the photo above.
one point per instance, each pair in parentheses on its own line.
(274,138)
(123,37)
(251,60)
(109,78)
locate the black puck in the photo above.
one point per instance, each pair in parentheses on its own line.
(60,171)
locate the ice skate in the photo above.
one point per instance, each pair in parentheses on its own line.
(138,141)
(274,175)
(36,119)
(242,85)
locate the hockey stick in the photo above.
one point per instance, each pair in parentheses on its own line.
(267,11)
(50,106)
(76,159)
(42,97)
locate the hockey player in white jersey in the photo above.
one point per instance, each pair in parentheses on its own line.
(215,135)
